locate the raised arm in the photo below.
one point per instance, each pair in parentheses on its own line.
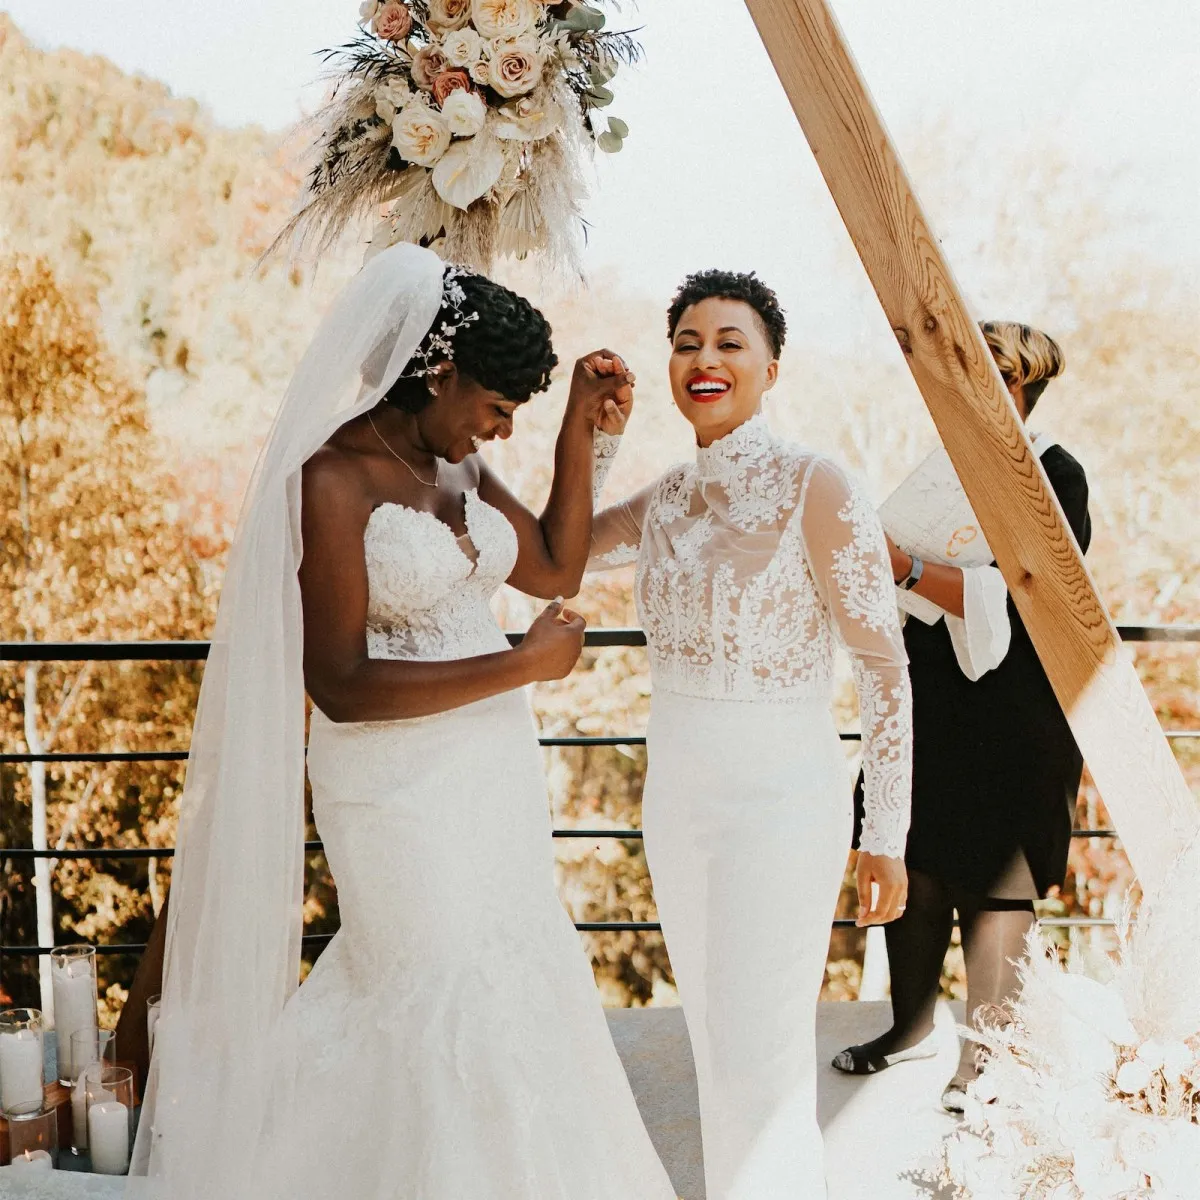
(848,558)
(345,683)
(553,547)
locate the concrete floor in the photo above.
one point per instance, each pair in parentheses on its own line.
(876,1128)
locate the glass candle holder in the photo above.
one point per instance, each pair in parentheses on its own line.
(22,1061)
(108,1094)
(34,1138)
(89,1048)
(73,980)
(153,1008)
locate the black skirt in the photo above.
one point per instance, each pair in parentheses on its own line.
(995,767)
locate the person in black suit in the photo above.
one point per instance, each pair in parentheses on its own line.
(996,770)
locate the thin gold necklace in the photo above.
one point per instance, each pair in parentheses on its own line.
(437,465)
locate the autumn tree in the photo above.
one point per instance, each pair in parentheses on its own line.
(92,551)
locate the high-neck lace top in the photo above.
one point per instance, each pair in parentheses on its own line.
(753,563)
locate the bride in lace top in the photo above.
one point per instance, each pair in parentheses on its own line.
(753,563)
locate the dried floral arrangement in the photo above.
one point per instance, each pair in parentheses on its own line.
(1092,1090)
(468,123)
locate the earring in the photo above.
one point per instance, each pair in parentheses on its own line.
(432,389)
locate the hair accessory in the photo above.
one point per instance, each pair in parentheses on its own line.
(438,345)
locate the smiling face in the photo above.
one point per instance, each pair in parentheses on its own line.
(461,415)
(721,364)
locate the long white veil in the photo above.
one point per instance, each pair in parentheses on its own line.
(234,923)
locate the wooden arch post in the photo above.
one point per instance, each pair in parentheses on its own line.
(1094,679)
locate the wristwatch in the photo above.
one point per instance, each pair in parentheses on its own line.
(913,577)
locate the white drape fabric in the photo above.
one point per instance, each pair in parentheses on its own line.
(234,928)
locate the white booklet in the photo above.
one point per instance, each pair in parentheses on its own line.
(930,516)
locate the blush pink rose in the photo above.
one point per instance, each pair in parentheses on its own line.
(427,65)
(516,66)
(393,22)
(446,16)
(448,82)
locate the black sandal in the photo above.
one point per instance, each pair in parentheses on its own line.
(865,1060)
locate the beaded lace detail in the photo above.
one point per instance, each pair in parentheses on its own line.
(428,599)
(753,564)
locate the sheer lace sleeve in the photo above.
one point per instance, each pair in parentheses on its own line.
(848,558)
(604,454)
(616,531)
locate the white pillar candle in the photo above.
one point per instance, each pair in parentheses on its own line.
(74,985)
(32,1162)
(108,1137)
(21,1070)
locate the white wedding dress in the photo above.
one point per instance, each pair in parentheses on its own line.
(752,563)
(450,1043)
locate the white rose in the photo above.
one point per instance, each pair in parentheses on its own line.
(465,113)
(391,97)
(481,71)
(516,66)
(368,9)
(421,135)
(504,18)
(1178,1059)
(1133,1077)
(1151,1053)
(462,47)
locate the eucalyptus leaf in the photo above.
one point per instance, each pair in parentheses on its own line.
(603,71)
(618,127)
(594,18)
(598,97)
(609,142)
(583,19)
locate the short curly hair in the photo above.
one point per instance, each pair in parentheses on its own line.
(509,350)
(732,285)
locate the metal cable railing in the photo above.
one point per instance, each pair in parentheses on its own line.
(594,639)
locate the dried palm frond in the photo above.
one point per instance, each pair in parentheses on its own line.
(353,173)
(1093,1088)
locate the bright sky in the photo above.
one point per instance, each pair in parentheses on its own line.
(716,171)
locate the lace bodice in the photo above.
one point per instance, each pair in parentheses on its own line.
(430,592)
(753,563)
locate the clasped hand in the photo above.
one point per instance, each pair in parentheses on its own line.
(602,391)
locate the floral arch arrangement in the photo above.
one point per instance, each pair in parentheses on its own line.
(468,123)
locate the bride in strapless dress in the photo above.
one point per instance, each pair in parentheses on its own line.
(449,1044)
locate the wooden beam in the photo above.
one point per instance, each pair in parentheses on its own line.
(1116,728)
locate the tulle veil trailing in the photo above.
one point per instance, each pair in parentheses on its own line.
(234,922)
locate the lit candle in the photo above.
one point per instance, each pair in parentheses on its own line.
(21,1068)
(32,1162)
(74,983)
(108,1137)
